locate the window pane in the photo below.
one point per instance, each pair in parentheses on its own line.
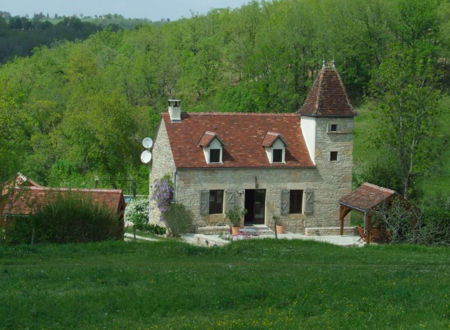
(215,201)
(333,156)
(277,155)
(333,128)
(295,201)
(214,155)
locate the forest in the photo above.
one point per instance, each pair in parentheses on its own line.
(20,35)
(79,108)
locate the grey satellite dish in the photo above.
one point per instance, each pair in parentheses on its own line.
(146,157)
(147,142)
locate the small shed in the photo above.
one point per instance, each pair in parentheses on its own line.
(23,201)
(364,199)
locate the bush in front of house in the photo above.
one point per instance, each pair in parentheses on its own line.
(178,219)
(70,218)
(137,211)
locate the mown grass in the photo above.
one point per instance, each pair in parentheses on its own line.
(247,284)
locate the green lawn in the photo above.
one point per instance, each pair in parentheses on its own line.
(248,284)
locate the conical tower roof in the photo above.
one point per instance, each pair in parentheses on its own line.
(327,97)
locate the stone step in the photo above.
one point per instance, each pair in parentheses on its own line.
(246,230)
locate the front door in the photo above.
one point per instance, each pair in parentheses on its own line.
(255,202)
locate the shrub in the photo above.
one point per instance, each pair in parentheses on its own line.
(409,224)
(70,218)
(235,215)
(163,195)
(178,219)
(154,229)
(18,230)
(137,211)
(436,221)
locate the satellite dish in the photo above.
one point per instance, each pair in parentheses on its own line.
(146,157)
(147,142)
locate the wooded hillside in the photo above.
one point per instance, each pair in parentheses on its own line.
(80,109)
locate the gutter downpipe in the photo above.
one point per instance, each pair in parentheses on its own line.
(175,174)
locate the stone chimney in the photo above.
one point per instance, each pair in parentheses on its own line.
(175,110)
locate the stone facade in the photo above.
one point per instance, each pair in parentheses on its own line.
(329,181)
(162,164)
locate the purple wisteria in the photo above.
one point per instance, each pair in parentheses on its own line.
(163,195)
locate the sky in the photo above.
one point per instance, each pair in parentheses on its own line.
(151,9)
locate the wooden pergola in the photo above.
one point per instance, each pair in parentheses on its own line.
(364,199)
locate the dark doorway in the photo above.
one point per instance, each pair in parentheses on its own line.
(255,202)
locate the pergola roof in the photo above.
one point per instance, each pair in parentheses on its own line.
(366,197)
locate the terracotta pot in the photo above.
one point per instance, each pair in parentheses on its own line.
(235,230)
(280,229)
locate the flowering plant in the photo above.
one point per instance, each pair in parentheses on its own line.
(163,195)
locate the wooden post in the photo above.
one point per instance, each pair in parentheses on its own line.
(341,218)
(369,228)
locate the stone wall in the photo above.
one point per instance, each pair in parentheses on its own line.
(162,164)
(329,181)
(335,177)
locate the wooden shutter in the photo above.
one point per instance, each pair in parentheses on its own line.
(231,199)
(309,201)
(204,202)
(284,202)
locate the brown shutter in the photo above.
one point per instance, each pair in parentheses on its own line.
(284,202)
(204,202)
(309,201)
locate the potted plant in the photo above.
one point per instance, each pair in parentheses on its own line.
(235,216)
(278,224)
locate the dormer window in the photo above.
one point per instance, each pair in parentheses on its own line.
(275,147)
(212,147)
(214,155)
(277,155)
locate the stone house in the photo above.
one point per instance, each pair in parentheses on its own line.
(294,166)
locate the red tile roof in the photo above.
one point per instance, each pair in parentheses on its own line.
(26,200)
(270,139)
(328,96)
(207,138)
(19,180)
(367,196)
(243,135)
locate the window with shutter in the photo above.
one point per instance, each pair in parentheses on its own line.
(215,201)
(295,201)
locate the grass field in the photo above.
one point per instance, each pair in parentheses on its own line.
(248,284)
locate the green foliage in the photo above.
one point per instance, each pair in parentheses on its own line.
(137,211)
(408,224)
(70,218)
(436,220)
(178,219)
(236,215)
(257,284)
(80,109)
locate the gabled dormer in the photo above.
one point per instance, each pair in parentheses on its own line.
(212,147)
(275,147)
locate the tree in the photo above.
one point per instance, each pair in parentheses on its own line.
(405,88)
